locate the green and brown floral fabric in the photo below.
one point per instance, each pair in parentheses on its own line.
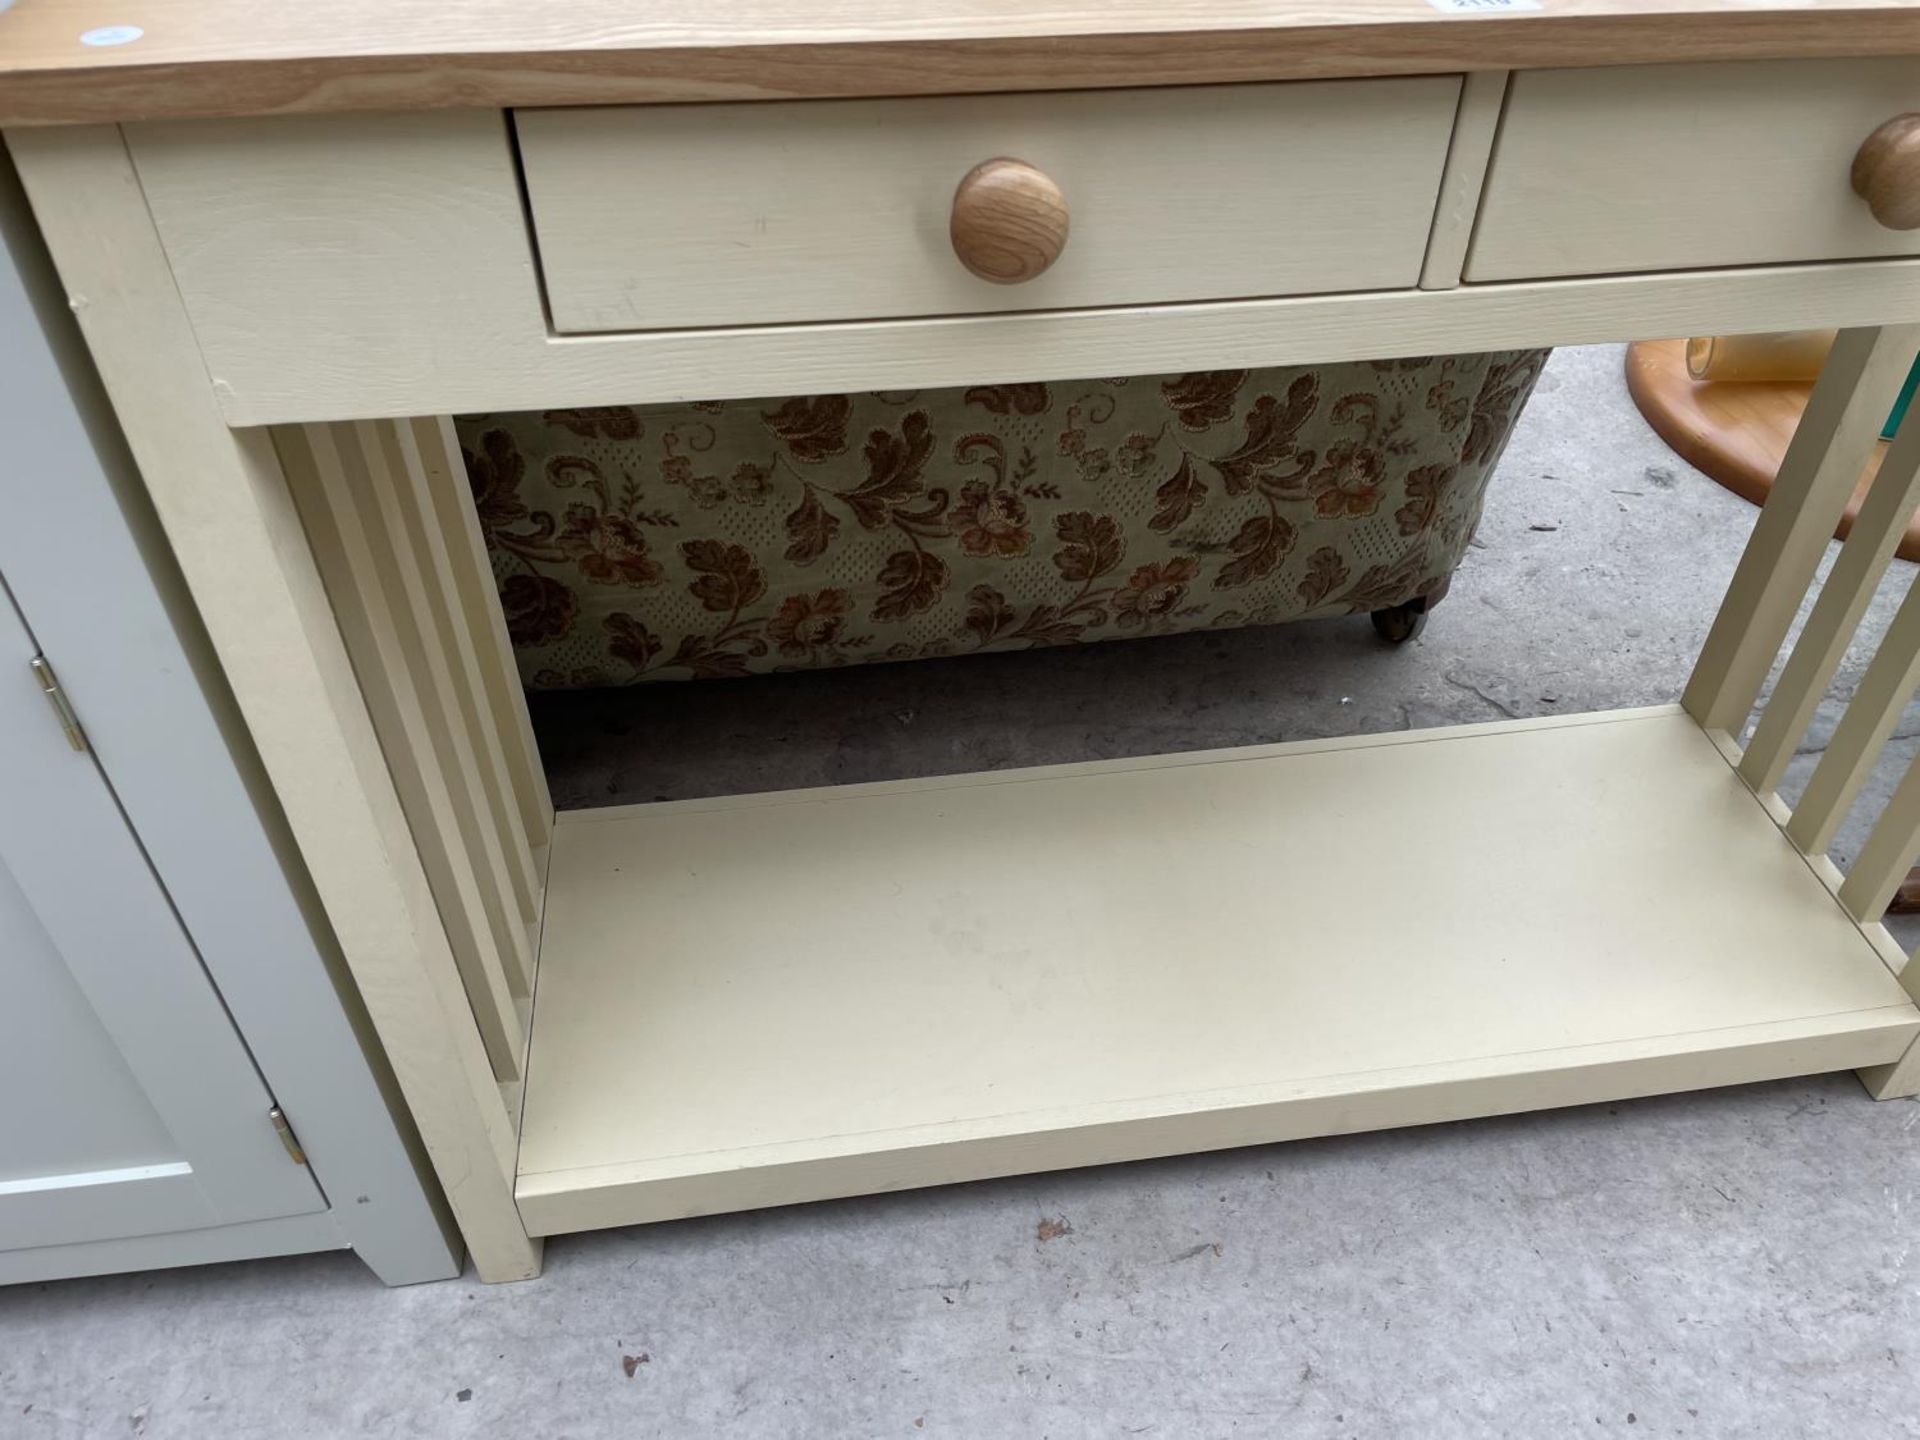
(701,540)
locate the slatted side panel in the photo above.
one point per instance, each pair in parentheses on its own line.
(451,638)
(1819,473)
(1836,614)
(376,498)
(476,599)
(1888,685)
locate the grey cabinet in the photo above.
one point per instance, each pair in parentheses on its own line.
(133,1106)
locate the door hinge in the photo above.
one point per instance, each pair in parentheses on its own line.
(287,1137)
(56,697)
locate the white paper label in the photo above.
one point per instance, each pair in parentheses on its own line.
(1483,7)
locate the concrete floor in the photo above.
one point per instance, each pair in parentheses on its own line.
(1737,1263)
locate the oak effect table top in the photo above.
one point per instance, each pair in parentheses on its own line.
(80,61)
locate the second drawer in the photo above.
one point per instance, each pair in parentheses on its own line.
(1679,167)
(707,215)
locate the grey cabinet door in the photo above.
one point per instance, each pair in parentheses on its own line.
(128,1103)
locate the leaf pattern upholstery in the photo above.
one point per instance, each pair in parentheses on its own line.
(714,539)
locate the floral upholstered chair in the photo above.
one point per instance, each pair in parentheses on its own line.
(704,540)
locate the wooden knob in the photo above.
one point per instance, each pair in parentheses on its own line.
(1886,173)
(1009,221)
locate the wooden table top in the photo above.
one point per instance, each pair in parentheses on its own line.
(71,61)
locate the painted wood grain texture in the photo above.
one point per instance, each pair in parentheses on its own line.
(1888,852)
(427,248)
(432,551)
(1136,957)
(1836,433)
(766,214)
(226,57)
(359,268)
(224,502)
(1866,725)
(1482,95)
(1837,611)
(470,574)
(327,469)
(412,597)
(184,772)
(1669,167)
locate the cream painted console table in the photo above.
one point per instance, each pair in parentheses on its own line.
(299,238)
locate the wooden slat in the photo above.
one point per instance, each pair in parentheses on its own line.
(319,460)
(1889,852)
(1481,97)
(1817,476)
(229,57)
(478,599)
(1890,680)
(1844,598)
(427,545)
(376,486)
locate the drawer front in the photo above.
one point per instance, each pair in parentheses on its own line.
(673,216)
(1670,167)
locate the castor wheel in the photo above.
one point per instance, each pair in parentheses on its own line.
(1398,624)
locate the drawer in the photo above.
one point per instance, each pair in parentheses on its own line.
(1671,167)
(656,217)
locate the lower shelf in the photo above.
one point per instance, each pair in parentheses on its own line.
(759,1000)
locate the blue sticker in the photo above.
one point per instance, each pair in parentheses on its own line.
(112,35)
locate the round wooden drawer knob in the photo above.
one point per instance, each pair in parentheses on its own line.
(1009,221)
(1886,173)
